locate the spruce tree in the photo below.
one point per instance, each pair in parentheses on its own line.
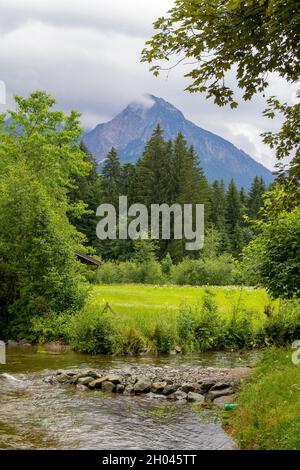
(153,171)
(111,178)
(255,201)
(87,189)
(234,218)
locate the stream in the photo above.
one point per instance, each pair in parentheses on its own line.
(36,415)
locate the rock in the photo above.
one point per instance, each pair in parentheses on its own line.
(158,387)
(190,387)
(169,389)
(81,388)
(178,350)
(180,395)
(69,373)
(132,379)
(221,385)
(143,385)
(12,344)
(129,390)
(114,378)
(206,385)
(93,373)
(85,380)
(221,401)
(97,383)
(195,397)
(108,386)
(64,379)
(213,394)
(120,388)
(156,396)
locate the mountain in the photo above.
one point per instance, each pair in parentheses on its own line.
(129,131)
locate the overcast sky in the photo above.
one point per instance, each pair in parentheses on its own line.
(87,54)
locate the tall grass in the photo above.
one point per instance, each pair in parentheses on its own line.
(269,412)
(157,319)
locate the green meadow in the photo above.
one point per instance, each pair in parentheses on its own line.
(133,301)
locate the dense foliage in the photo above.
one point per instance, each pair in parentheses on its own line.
(39,155)
(252,38)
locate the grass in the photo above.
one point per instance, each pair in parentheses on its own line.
(269,412)
(158,318)
(133,301)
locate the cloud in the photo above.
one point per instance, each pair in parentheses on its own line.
(87,54)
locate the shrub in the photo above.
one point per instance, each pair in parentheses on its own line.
(284,327)
(163,337)
(216,271)
(51,327)
(147,272)
(91,332)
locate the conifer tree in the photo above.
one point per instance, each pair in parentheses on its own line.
(255,201)
(111,176)
(88,190)
(234,218)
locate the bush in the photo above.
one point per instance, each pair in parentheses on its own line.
(91,332)
(215,271)
(284,327)
(147,272)
(52,327)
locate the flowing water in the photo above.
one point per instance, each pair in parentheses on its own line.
(36,415)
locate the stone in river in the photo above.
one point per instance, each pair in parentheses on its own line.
(143,385)
(190,387)
(213,394)
(108,386)
(97,383)
(169,389)
(180,395)
(114,378)
(195,397)
(85,380)
(81,388)
(158,387)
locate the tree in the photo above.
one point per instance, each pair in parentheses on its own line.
(255,199)
(111,180)
(234,218)
(218,213)
(153,171)
(87,189)
(272,259)
(39,158)
(250,38)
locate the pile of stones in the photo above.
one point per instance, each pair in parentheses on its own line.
(201,385)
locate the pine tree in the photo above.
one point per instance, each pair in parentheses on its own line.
(234,218)
(153,171)
(255,201)
(111,178)
(218,213)
(88,190)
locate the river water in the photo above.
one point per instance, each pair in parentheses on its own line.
(36,415)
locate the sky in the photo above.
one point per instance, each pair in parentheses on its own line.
(86,53)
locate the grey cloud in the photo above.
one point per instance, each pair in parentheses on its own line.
(91,61)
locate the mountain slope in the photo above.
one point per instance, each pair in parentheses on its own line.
(129,131)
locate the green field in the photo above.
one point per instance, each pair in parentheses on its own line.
(146,305)
(132,300)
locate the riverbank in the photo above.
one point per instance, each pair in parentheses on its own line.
(269,413)
(138,319)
